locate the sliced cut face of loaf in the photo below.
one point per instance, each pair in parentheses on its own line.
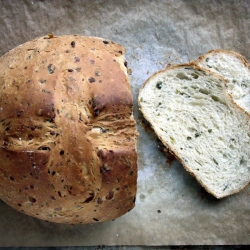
(191,112)
(236,71)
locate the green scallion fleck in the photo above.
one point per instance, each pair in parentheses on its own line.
(172,139)
(199,163)
(159,85)
(197,134)
(215,161)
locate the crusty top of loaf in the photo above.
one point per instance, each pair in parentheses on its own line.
(67,134)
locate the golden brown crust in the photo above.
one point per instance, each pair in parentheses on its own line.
(67,134)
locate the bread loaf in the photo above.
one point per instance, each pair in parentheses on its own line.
(67,134)
(235,69)
(193,115)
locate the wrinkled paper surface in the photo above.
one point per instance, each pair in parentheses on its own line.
(171,207)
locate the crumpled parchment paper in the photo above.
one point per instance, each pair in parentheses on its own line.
(171,207)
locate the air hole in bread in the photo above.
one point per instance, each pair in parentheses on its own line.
(44,148)
(217,99)
(195,76)
(182,76)
(204,91)
(192,130)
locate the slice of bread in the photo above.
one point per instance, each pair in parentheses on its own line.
(190,111)
(236,71)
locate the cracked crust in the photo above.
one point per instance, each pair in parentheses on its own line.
(67,134)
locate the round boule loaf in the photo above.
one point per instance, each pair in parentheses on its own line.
(67,132)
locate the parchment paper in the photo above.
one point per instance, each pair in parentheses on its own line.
(171,207)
